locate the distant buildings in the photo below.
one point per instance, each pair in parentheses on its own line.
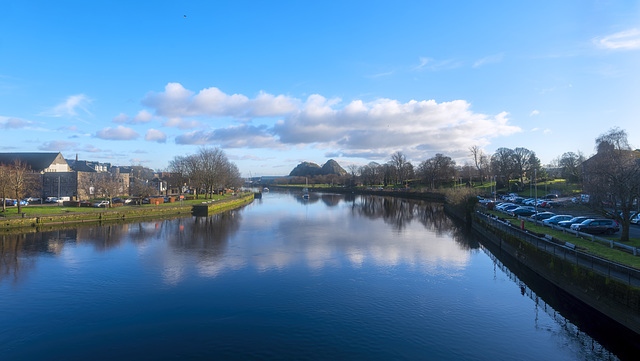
(76,179)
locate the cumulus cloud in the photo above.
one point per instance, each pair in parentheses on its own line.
(181,123)
(57,145)
(372,130)
(118,133)
(143,116)
(491,59)
(386,125)
(121,118)
(154,135)
(623,40)
(70,106)
(14,123)
(242,136)
(178,102)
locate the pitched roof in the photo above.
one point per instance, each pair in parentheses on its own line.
(37,161)
(80,166)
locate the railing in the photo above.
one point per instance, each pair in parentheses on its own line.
(568,252)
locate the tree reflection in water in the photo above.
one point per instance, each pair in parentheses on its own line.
(206,237)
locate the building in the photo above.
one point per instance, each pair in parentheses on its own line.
(56,178)
(76,179)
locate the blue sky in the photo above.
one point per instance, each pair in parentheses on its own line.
(277,83)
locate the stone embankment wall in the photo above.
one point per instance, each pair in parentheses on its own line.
(612,289)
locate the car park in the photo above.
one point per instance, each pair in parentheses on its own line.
(608,226)
(509,208)
(567,224)
(524,211)
(502,206)
(542,216)
(557,219)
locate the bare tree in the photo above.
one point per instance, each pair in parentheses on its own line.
(4,184)
(481,161)
(612,178)
(502,163)
(570,164)
(19,180)
(107,185)
(438,169)
(399,162)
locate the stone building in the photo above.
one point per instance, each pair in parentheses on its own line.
(76,179)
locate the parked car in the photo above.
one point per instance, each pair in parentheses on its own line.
(51,200)
(524,211)
(32,199)
(567,224)
(551,196)
(608,226)
(101,204)
(542,216)
(509,208)
(557,219)
(502,206)
(636,219)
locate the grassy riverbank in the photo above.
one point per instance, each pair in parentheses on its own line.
(38,216)
(583,244)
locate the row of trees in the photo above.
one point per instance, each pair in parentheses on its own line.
(206,171)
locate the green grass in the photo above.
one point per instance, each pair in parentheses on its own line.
(38,210)
(588,246)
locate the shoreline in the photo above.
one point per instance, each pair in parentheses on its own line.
(117,215)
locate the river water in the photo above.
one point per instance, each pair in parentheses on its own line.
(332,277)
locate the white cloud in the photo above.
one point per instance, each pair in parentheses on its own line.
(384,126)
(121,118)
(91,149)
(70,106)
(14,123)
(118,133)
(535,112)
(181,123)
(242,136)
(491,59)
(57,145)
(143,116)
(358,129)
(176,102)
(154,135)
(623,40)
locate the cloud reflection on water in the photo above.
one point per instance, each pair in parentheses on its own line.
(329,231)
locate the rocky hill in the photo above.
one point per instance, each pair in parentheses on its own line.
(310,169)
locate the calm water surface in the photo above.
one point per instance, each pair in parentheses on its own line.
(329,278)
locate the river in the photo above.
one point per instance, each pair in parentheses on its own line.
(332,277)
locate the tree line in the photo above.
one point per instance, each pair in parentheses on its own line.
(205,172)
